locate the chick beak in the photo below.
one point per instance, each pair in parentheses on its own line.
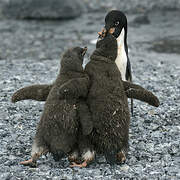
(84,51)
(102,33)
(105,30)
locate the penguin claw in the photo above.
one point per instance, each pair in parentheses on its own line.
(84,164)
(28,163)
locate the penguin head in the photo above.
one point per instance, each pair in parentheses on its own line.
(78,52)
(72,59)
(107,48)
(115,21)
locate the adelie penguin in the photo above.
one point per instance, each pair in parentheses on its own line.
(116,24)
(59,129)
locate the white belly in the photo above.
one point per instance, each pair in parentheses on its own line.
(121,60)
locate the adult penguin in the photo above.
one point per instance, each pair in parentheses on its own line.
(116,24)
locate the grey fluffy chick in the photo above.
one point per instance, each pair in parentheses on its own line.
(59,127)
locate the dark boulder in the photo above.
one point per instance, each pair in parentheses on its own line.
(41,9)
(142,19)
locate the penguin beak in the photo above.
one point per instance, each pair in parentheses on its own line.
(102,33)
(105,30)
(84,51)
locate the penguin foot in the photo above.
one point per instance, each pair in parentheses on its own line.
(36,153)
(84,164)
(121,157)
(29,162)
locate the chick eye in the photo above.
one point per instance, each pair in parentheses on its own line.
(116,23)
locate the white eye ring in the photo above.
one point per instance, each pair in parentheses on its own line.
(117,23)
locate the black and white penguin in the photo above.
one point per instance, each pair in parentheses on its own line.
(116,24)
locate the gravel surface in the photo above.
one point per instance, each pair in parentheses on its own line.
(29,53)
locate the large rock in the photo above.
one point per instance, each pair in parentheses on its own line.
(41,9)
(132,5)
(148,5)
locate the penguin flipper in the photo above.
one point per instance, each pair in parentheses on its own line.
(129,85)
(138,92)
(36,92)
(74,88)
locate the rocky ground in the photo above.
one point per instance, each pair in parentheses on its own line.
(29,53)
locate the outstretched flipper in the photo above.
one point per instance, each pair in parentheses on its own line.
(40,92)
(35,92)
(137,92)
(128,85)
(143,95)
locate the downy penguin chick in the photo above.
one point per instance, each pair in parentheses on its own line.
(58,129)
(107,101)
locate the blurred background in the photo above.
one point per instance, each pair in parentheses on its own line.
(42,29)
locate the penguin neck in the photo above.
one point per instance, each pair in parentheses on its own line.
(121,60)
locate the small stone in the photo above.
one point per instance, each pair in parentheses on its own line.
(125,168)
(151,112)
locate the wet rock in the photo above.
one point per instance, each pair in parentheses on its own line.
(167,45)
(42,9)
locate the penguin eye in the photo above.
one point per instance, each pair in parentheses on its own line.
(116,23)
